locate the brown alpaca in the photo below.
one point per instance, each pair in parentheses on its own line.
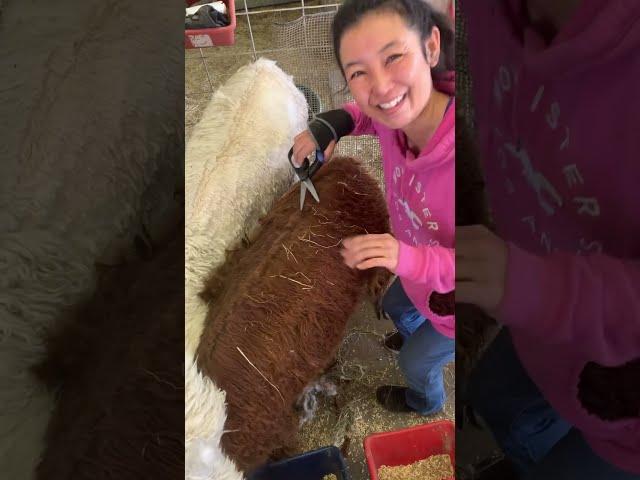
(283,304)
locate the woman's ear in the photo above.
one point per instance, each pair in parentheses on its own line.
(432,47)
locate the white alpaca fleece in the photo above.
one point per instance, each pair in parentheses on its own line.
(204,413)
(236,166)
(90,152)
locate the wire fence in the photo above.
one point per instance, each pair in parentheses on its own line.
(298,38)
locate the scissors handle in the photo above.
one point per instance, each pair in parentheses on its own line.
(303,170)
(307,170)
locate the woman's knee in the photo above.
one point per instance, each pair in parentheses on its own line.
(410,363)
(419,361)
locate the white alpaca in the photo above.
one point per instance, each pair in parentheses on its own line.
(204,415)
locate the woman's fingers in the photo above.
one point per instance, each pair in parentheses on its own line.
(469,292)
(304,146)
(376,262)
(302,150)
(481,262)
(367,251)
(371,238)
(355,257)
(470,269)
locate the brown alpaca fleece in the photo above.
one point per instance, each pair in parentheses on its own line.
(611,393)
(443,303)
(284,302)
(117,366)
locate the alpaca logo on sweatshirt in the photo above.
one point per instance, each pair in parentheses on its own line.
(415,219)
(551,198)
(413,188)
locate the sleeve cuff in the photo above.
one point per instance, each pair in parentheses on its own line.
(409,262)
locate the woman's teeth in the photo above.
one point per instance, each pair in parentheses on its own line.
(392,103)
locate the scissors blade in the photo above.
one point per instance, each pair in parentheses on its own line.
(312,189)
(303,192)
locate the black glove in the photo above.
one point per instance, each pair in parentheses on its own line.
(331,125)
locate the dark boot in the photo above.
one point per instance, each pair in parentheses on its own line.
(393,398)
(393,341)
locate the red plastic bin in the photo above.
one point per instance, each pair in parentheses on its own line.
(212,37)
(408,445)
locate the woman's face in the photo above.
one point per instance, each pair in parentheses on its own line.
(386,70)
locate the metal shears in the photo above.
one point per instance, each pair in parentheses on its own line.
(305,172)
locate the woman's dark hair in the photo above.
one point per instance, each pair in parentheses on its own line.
(417,14)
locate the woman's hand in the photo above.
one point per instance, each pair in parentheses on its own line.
(368,251)
(304,145)
(481,264)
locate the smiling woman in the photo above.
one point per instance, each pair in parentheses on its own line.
(395,57)
(388,69)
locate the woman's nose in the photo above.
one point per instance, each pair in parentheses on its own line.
(382,83)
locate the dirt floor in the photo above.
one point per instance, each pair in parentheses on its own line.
(363,364)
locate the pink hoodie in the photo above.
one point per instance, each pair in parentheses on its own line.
(420,198)
(563,180)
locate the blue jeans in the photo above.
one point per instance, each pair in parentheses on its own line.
(424,352)
(540,444)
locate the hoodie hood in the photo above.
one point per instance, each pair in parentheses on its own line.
(598,31)
(445,82)
(441,147)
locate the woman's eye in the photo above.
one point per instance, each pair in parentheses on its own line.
(356,74)
(393,58)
